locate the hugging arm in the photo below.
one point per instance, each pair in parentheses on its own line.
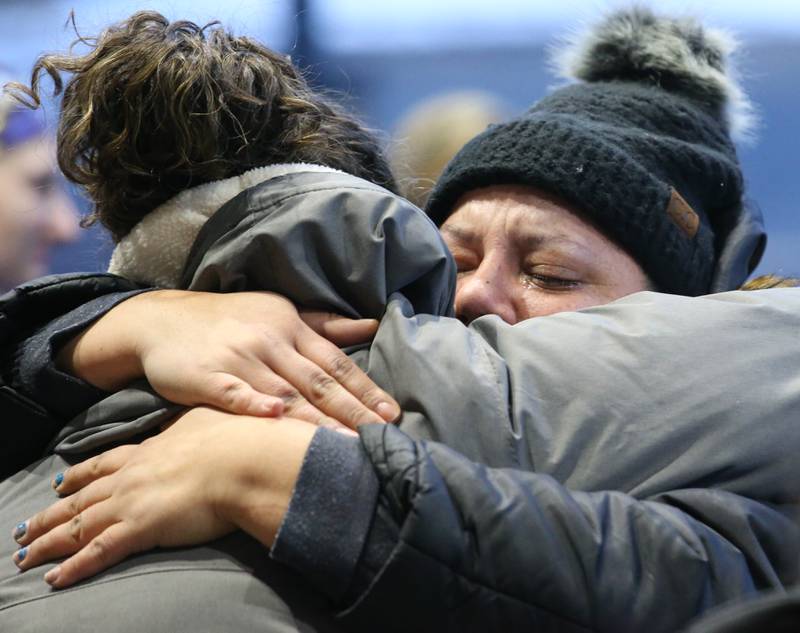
(249,353)
(475,548)
(645,491)
(415,534)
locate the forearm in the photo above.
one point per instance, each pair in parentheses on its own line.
(517,548)
(28,312)
(107,353)
(332,505)
(32,305)
(33,370)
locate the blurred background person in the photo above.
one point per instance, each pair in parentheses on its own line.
(431,133)
(36,214)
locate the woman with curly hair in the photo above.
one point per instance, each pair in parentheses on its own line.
(162,114)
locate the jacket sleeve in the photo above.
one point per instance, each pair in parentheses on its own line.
(478,549)
(36,319)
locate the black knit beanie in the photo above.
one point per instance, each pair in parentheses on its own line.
(642,146)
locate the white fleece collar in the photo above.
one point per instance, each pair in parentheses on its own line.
(155,250)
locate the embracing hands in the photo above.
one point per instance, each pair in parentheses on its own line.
(210,472)
(206,475)
(250,353)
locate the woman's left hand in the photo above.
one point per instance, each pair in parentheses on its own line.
(206,475)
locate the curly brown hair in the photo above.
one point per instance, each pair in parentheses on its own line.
(156,107)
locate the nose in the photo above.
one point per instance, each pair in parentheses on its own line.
(486,290)
(60,219)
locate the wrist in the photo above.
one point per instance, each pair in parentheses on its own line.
(143,324)
(105,354)
(264,480)
(329,517)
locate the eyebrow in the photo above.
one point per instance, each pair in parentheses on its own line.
(528,242)
(533,242)
(461,234)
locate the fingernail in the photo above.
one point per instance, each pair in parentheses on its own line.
(387,411)
(20,530)
(20,555)
(272,409)
(51,577)
(58,480)
(344,431)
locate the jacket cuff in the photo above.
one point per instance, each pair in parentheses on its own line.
(330,513)
(34,372)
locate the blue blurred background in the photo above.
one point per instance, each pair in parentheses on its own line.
(387,56)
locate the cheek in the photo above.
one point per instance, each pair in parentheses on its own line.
(20,239)
(620,276)
(536,303)
(634,281)
(18,252)
(15,222)
(19,202)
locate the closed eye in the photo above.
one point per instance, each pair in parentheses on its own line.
(553,283)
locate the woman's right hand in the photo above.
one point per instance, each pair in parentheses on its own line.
(249,353)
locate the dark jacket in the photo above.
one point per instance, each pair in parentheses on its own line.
(776,612)
(570,473)
(28,426)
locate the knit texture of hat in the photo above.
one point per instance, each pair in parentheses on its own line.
(642,145)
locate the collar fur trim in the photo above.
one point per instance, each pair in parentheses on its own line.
(155,250)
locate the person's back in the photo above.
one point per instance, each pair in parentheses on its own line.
(155,108)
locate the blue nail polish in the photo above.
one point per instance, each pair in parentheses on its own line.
(20,530)
(58,480)
(21,554)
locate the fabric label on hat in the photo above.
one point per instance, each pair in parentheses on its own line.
(682,214)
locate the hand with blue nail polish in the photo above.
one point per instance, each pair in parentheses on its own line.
(137,497)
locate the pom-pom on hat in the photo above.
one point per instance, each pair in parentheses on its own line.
(642,145)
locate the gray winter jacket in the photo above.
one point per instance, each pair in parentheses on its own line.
(579,472)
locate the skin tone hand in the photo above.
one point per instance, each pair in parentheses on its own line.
(206,475)
(249,353)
